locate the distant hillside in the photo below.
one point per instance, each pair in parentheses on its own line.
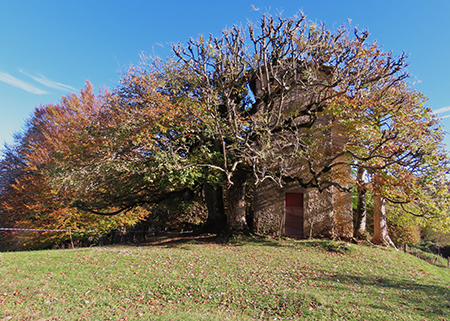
(242,280)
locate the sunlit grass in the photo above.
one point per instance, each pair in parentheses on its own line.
(246,279)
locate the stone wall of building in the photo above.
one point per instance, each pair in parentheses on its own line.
(343,205)
(268,211)
(318,214)
(326,214)
(343,213)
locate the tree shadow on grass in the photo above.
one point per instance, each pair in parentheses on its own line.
(327,245)
(175,239)
(430,301)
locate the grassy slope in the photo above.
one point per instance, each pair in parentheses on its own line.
(248,279)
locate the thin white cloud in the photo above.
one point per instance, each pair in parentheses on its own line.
(444,117)
(13,81)
(49,83)
(442,110)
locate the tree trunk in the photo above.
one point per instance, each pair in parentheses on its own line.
(361,210)
(380,227)
(236,221)
(217,219)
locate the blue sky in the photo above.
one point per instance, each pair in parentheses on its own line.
(50,48)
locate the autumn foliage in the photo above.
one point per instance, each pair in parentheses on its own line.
(218,117)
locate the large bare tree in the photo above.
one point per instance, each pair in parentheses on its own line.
(272,91)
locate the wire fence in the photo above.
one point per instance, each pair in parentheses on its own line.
(98,238)
(70,231)
(43,230)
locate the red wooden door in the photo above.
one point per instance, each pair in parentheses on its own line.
(294,214)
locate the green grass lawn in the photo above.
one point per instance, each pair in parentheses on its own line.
(242,280)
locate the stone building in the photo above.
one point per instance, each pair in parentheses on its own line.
(294,211)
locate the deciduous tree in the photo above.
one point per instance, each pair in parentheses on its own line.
(248,81)
(31,197)
(267,102)
(399,141)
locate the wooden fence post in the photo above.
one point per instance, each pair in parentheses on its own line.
(71,241)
